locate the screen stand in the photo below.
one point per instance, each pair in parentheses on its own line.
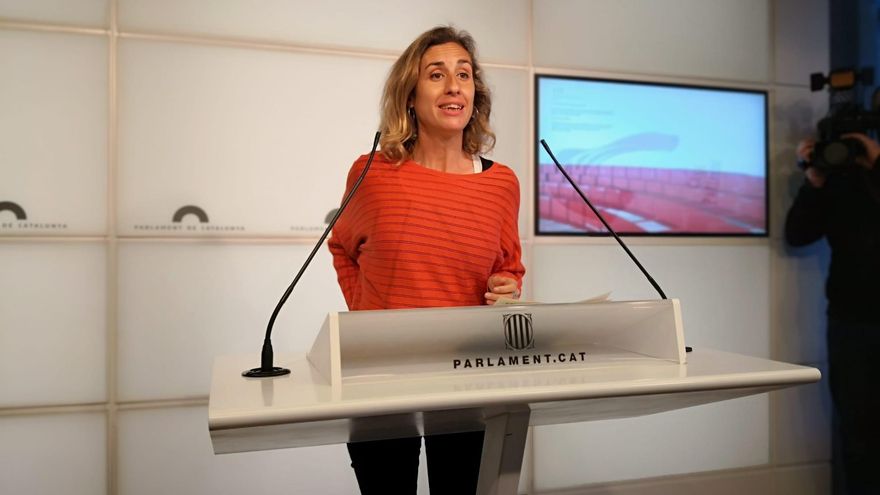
(504,444)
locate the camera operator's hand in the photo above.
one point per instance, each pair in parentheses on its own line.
(814,177)
(804,155)
(805,150)
(872,149)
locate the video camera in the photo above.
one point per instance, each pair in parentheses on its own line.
(845,115)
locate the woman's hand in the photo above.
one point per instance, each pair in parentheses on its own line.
(500,286)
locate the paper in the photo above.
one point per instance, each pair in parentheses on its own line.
(506,301)
(600,298)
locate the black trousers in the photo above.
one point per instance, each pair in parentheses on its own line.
(854,376)
(392,466)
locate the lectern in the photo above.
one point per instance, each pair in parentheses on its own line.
(388,374)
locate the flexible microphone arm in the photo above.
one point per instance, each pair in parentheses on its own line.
(602,219)
(267,369)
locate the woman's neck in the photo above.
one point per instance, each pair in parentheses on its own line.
(443,154)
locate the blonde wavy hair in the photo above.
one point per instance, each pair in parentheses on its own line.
(400,128)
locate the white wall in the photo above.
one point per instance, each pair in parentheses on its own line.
(116,113)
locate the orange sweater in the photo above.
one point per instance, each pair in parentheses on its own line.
(415,237)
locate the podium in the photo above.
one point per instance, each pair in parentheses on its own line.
(374,375)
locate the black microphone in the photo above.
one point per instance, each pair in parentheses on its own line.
(602,219)
(267,368)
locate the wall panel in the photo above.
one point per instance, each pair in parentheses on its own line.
(811,479)
(723,289)
(53,453)
(753,482)
(385,25)
(721,435)
(801,40)
(701,38)
(52,324)
(169,451)
(799,320)
(803,422)
(91,13)
(183,304)
(53,134)
(510,122)
(261,141)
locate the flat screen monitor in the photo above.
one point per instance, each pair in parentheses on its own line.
(655,159)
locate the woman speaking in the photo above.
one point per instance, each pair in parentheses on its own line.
(433,225)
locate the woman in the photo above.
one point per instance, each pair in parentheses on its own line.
(433,225)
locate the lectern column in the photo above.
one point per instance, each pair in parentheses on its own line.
(503,447)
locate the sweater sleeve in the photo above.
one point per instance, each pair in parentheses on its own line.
(343,249)
(805,222)
(510,262)
(347,269)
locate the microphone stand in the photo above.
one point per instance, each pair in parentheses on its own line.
(267,368)
(602,219)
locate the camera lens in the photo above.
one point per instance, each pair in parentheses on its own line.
(835,153)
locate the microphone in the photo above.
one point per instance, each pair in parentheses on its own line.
(267,369)
(602,219)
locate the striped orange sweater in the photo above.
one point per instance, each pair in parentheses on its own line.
(415,237)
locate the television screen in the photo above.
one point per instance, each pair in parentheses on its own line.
(654,159)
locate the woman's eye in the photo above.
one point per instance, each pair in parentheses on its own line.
(464,75)
(436,76)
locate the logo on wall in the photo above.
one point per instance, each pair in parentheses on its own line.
(16,210)
(190,210)
(181,222)
(315,228)
(518,332)
(21,220)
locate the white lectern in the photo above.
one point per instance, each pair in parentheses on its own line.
(388,374)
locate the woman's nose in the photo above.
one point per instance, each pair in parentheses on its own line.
(453,86)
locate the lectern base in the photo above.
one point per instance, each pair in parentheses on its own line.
(265,373)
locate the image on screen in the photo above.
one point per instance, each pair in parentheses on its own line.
(654,159)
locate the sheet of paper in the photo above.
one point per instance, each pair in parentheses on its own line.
(504,301)
(600,298)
